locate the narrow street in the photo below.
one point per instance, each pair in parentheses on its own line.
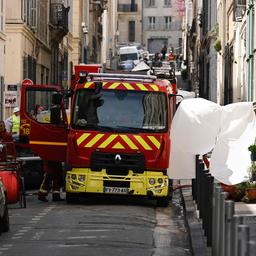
(96,226)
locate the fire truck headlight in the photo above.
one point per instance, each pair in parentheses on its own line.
(151,181)
(160,180)
(81,178)
(73,176)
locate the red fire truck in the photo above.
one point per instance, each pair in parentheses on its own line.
(118,137)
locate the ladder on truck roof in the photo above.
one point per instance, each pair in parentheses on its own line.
(123,77)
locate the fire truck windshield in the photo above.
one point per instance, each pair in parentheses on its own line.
(120,111)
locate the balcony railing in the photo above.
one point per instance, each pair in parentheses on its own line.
(127,8)
(162,26)
(59,16)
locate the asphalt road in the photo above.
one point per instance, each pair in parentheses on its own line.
(96,226)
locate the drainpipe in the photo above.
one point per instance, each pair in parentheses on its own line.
(223,44)
(250,46)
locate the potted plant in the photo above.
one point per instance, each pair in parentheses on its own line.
(250,191)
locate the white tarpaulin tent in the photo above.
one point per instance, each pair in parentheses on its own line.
(200,126)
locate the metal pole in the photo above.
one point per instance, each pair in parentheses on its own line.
(210,212)
(216,191)
(230,210)
(236,220)
(223,196)
(243,238)
(217,219)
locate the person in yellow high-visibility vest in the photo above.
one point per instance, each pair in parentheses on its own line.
(12,123)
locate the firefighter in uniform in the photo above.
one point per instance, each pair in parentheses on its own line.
(52,179)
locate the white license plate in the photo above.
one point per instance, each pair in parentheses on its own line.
(115,190)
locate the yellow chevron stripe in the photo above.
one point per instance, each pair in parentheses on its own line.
(142,142)
(154,141)
(128,86)
(113,86)
(108,141)
(104,83)
(128,141)
(142,87)
(154,87)
(94,140)
(82,138)
(118,145)
(88,84)
(34,142)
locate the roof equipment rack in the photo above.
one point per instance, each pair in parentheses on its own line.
(123,77)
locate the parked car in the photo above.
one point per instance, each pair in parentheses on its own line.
(4,215)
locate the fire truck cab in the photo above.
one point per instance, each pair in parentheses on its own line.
(118,137)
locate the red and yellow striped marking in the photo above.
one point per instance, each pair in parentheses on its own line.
(124,86)
(118,141)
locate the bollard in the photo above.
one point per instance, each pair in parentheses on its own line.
(206,202)
(217,193)
(243,238)
(221,251)
(216,186)
(236,220)
(210,212)
(194,195)
(197,180)
(229,210)
(252,248)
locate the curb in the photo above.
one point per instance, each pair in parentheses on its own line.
(194,225)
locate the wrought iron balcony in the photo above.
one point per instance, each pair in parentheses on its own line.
(59,19)
(127,8)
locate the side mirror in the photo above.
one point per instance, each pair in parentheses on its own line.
(56,98)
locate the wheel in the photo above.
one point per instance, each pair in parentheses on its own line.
(71,198)
(5,226)
(163,201)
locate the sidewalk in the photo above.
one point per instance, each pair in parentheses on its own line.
(194,224)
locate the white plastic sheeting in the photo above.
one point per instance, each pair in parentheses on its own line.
(200,126)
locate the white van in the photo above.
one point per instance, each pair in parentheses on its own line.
(128,57)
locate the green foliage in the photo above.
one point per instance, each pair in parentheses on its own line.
(252,148)
(217,45)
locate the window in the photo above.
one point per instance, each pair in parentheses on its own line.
(29,12)
(131,29)
(137,111)
(39,104)
(168,21)
(1,15)
(151,3)
(167,3)
(152,22)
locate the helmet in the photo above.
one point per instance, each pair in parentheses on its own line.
(16,109)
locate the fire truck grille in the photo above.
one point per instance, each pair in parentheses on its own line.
(112,161)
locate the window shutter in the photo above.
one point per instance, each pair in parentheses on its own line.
(33,16)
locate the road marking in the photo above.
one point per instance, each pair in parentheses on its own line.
(96,230)
(71,245)
(7,245)
(81,237)
(16,237)
(36,218)
(4,249)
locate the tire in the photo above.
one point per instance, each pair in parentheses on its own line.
(71,198)
(5,225)
(163,201)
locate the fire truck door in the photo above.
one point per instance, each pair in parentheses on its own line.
(48,140)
